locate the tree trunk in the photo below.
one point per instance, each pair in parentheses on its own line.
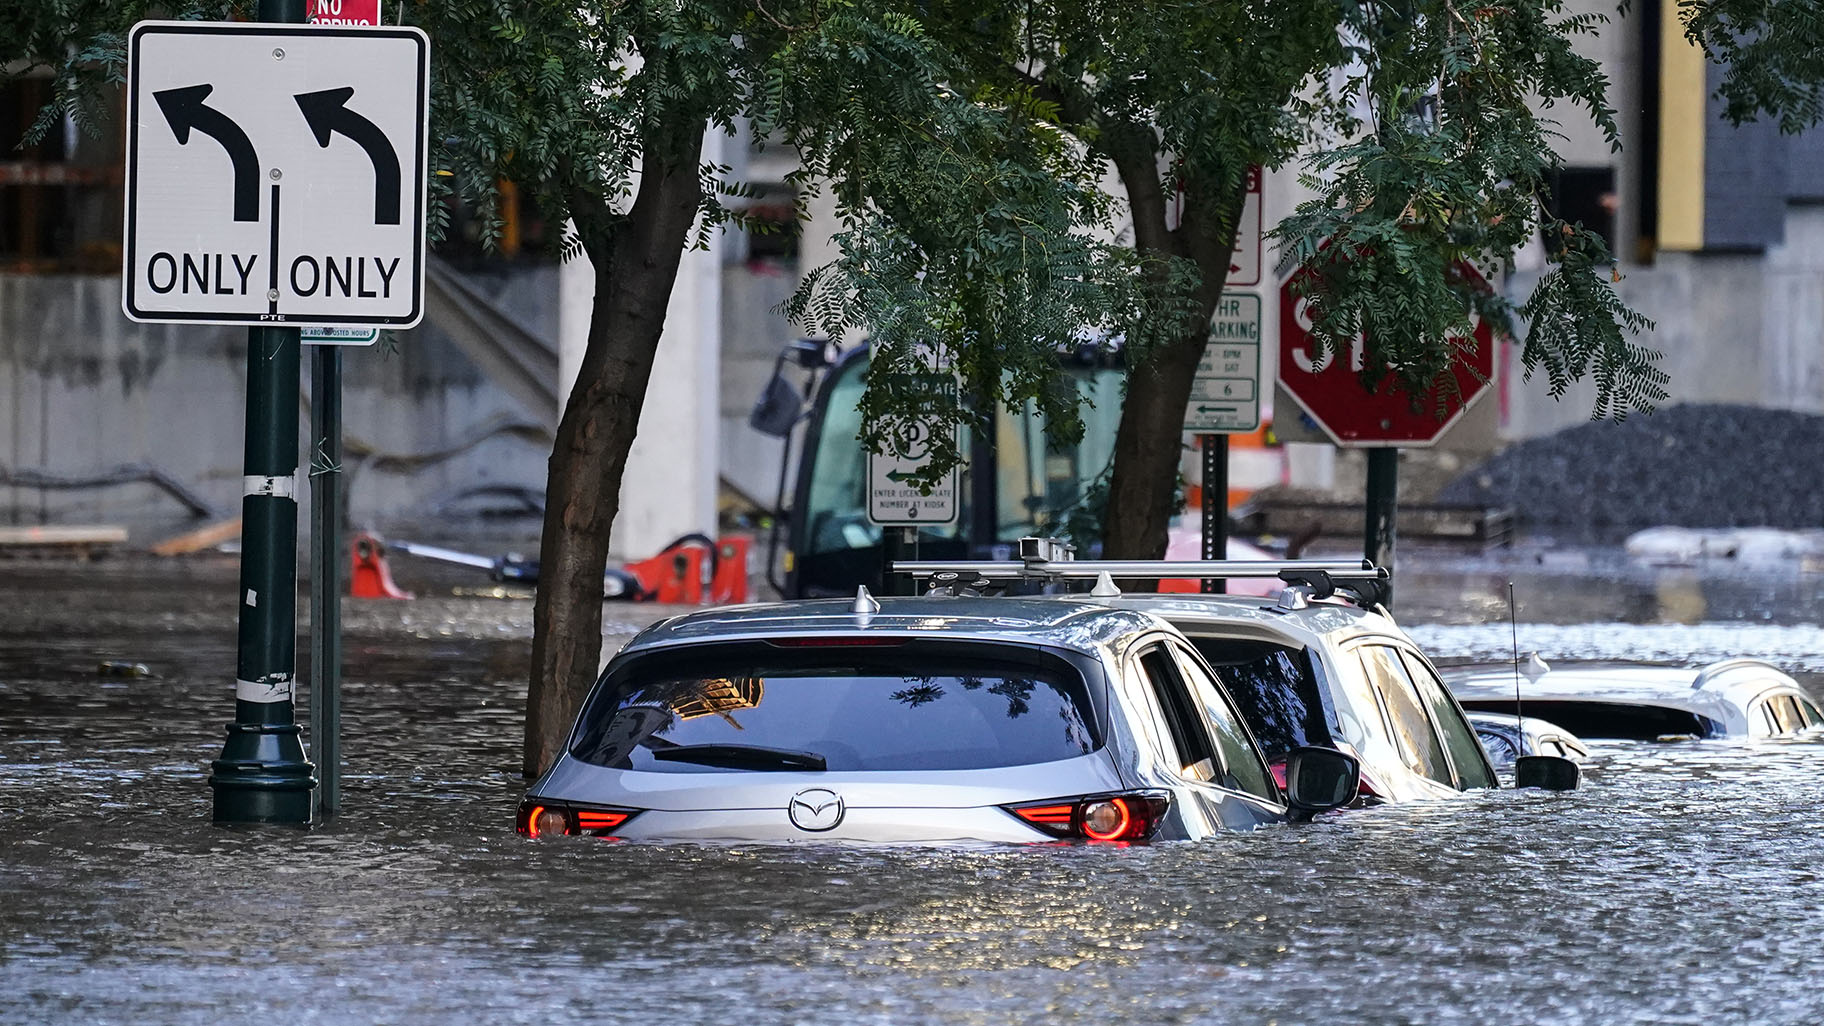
(636,265)
(1150,437)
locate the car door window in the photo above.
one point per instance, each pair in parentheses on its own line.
(1459,739)
(1769,724)
(1786,711)
(1810,712)
(1194,751)
(1418,742)
(1240,758)
(1361,721)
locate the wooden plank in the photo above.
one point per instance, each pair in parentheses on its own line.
(205,537)
(48,536)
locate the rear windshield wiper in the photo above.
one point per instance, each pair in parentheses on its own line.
(742,756)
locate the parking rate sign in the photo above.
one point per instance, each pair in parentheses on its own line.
(1225,396)
(275,174)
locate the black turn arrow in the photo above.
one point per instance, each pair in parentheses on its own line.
(185,110)
(327,113)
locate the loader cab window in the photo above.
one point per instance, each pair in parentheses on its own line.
(1032,480)
(836,503)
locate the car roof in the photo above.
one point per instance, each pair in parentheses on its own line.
(1246,616)
(1721,691)
(1508,721)
(1081,627)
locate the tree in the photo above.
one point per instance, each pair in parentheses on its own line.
(1423,149)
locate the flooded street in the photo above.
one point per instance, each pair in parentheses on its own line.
(1681,884)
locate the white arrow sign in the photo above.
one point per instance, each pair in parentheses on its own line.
(275,174)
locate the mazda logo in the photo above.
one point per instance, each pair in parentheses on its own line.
(815,810)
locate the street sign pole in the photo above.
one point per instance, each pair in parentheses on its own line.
(1225,398)
(1215,505)
(1378,533)
(262,776)
(326,514)
(325,575)
(276,178)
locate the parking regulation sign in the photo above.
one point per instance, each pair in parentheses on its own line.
(894,500)
(275,174)
(1225,395)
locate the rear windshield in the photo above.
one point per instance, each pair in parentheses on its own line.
(1603,719)
(917,706)
(1273,687)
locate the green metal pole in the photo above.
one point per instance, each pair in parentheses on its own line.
(1215,505)
(326,575)
(262,776)
(1383,500)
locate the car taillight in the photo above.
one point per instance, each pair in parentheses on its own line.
(1127,816)
(548,819)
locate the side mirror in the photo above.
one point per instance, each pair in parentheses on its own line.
(813,353)
(1552,772)
(1321,779)
(777,410)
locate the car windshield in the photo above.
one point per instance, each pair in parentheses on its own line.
(1275,690)
(754,707)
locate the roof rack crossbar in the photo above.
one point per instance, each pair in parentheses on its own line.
(1090,569)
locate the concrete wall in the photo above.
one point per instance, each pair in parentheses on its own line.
(752,335)
(82,389)
(1732,327)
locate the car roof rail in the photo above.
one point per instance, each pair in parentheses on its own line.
(1049,561)
(1712,673)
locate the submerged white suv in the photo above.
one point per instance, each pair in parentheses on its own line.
(918,719)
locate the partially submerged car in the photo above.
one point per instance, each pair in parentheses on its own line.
(1732,698)
(1506,737)
(1337,676)
(918,719)
(1306,667)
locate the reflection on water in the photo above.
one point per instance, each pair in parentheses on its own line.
(1680,885)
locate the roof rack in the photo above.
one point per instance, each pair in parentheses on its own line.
(1048,560)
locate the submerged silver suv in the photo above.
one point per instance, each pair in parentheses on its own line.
(917,719)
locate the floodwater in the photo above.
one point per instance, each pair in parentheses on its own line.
(1682,884)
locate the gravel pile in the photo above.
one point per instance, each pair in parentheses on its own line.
(1686,466)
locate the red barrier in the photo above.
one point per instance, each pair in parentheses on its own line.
(368,575)
(674,576)
(728,585)
(695,571)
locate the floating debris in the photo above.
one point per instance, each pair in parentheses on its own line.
(123,668)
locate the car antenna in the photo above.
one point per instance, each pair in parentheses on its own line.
(1513,626)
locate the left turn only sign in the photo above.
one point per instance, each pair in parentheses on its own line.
(275,174)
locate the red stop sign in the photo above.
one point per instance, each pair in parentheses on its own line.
(1331,390)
